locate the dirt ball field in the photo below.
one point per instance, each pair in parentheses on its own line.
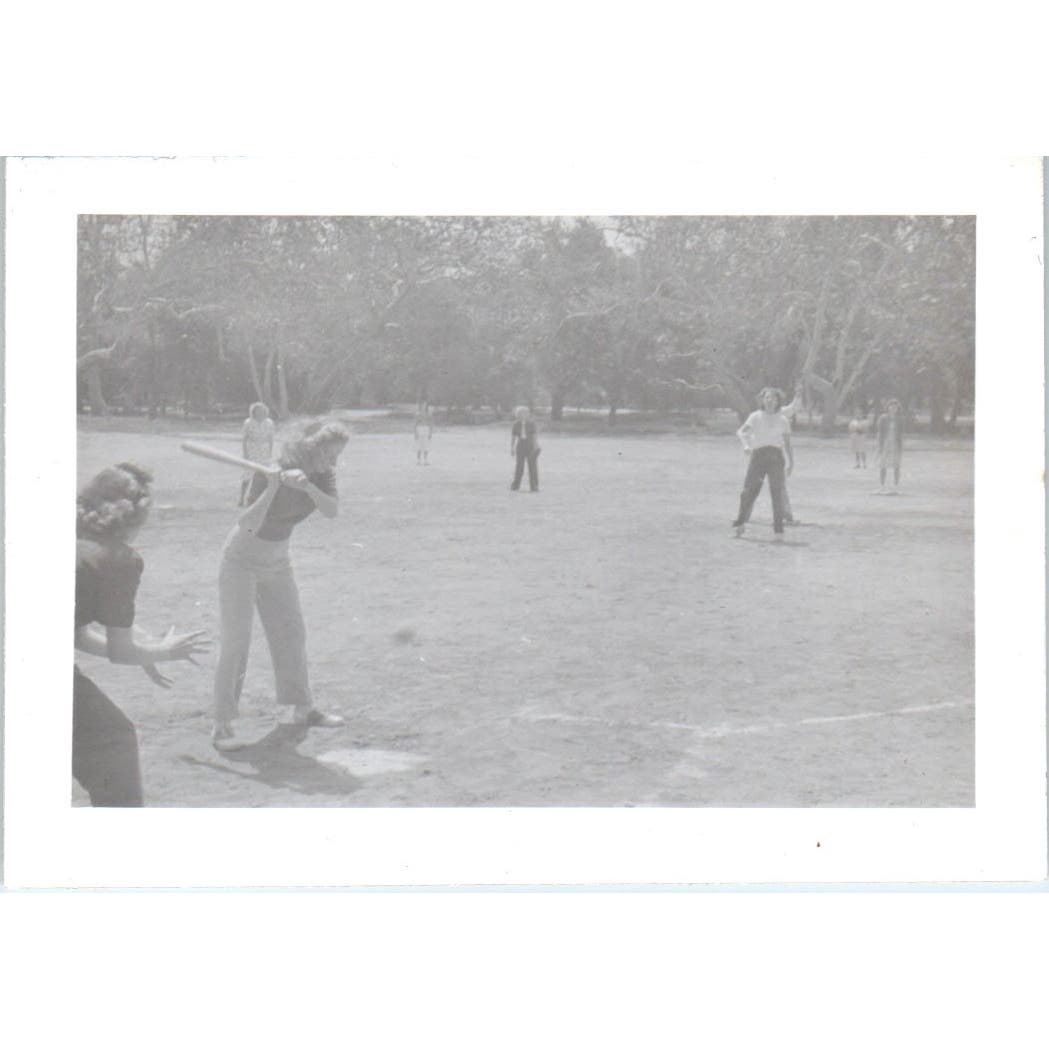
(604,642)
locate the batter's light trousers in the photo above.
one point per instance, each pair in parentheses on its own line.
(256,573)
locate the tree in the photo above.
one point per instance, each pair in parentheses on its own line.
(306,312)
(811,301)
(569,268)
(713,291)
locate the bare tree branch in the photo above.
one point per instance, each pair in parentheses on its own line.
(695,387)
(95,357)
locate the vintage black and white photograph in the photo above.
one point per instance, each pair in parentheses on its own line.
(524,511)
(448,535)
(556,508)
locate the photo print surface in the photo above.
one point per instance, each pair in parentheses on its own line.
(526,511)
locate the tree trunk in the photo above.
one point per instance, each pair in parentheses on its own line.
(267,378)
(282,388)
(740,403)
(815,334)
(221,343)
(937,422)
(94,391)
(831,403)
(557,406)
(612,414)
(830,399)
(253,370)
(156,391)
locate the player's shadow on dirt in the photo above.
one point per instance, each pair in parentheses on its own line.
(276,762)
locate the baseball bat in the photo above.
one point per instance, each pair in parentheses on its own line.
(207,452)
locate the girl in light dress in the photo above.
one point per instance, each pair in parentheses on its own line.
(423,433)
(858,440)
(890,446)
(256,443)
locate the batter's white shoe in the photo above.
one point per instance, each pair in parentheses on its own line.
(222,737)
(314,718)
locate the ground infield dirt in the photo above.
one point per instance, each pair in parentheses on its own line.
(604,642)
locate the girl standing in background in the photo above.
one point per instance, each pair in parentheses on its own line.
(256,442)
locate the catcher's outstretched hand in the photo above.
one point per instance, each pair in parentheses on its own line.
(156,676)
(185,646)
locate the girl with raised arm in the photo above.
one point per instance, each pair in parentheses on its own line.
(765,437)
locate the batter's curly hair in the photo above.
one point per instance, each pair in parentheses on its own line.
(299,445)
(114,503)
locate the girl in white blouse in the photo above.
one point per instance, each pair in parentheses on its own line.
(765,437)
(256,442)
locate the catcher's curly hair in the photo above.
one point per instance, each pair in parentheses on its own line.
(771,389)
(114,503)
(300,444)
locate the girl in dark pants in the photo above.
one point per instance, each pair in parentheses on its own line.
(110,510)
(765,437)
(524,447)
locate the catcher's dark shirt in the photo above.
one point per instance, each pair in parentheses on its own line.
(289,506)
(107,578)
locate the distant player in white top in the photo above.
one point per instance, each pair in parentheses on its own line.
(765,437)
(256,442)
(423,433)
(858,440)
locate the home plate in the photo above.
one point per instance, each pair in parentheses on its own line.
(369,762)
